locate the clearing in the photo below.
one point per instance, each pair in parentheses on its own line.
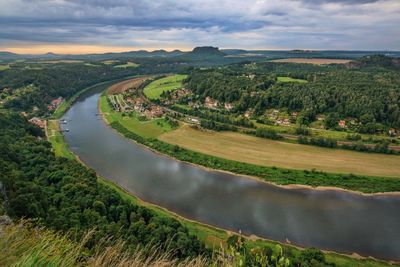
(145,128)
(265,152)
(316,61)
(170,83)
(4,67)
(290,80)
(121,87)
(56,138)
(127,65)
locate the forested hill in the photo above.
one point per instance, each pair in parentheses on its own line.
(28,85)
(367,90)
(64,195)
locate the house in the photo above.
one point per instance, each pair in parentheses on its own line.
(321,118)
(286,122)
(210,103)
(248,114)
(194,120)
(55,103)
(342,124)
(392,132)
(38,122)
(228,106)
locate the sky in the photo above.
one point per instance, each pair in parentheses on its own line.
(96,26)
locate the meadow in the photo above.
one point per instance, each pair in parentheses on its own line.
(146,128)
(265,152)
(127,65)
(170,83)
(56,138)
(316,61)
(4,67)
(289,80)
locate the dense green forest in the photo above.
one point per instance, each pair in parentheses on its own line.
(366,90)
(28,85)
(64,195)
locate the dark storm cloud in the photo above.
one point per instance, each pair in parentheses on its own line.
(227,23)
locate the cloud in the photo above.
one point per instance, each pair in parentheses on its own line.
(252,24)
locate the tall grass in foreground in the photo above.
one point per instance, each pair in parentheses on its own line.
(24,245)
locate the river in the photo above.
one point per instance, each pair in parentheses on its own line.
(330,220)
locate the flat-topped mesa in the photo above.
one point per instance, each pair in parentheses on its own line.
(207,50)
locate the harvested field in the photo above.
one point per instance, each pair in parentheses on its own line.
(316,61)
(125,85)
(265,152)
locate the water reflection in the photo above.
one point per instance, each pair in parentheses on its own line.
(330,220)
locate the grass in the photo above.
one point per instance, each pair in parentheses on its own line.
(265,152)
(127,65)
(148,129)
(315,132)
(24,245)
(64,106)
(4,67)
(290,80)
(213,237)
(170,83)
(109,62)
(316,61)
(56,138)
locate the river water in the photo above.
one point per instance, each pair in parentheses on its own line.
(331,220)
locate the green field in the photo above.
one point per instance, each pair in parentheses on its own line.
(290,80)
(170,83)
(64,106)
(127,65)
(266,152)
(148,129)
(212,236)
(4,67)
(56,139)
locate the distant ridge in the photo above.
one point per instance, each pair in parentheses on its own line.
(207,50)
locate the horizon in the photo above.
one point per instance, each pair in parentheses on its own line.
(86,27)
(56,51)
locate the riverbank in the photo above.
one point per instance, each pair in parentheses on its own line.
(212,236)
(279,176)
(66,104)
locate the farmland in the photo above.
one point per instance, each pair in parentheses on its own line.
(170,83)
(289,80)
(259,151)
(146,128)
(316,61)
(125,85)
(127,65)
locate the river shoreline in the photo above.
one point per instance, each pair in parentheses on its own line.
(252,237)
(216,228)
(288,186)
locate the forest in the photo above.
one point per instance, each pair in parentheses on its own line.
(64,195)
(366,90)
(29,85)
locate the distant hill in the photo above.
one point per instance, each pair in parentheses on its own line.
(9,56)
(381,61)
(204,53)
(207,51)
